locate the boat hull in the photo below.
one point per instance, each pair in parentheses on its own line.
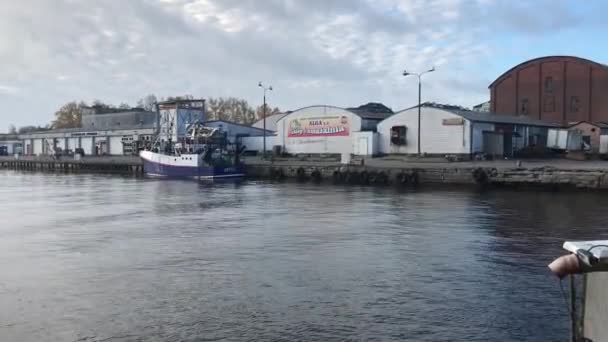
(157,165)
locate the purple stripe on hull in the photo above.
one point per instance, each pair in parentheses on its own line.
(171,171)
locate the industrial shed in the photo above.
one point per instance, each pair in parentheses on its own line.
(9,144)
(271,122)
(451,130)
(234,129)
(93,142)
(326,130)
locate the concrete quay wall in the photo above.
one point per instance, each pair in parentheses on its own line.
(547,177)
(117,165)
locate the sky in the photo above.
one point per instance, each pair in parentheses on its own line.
(336,52)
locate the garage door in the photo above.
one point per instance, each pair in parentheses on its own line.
(61,143)
(116,146)
(87,145)
(37,146)
(72,144)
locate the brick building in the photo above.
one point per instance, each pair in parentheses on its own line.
(559,89)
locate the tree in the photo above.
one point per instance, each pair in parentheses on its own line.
(68,116)
(181,97)
(230,109)
(12,129)
(148,102)
(259,112)
(124,106)
(100,104)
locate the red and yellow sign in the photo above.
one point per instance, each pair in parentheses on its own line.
(332,126)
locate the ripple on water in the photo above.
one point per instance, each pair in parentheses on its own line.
(96,257)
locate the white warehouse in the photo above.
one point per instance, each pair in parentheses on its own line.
(326,130)
(92,142)
(451,130)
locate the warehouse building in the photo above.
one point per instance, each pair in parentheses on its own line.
(326,130)
(124,141)
(234,130)
(104,131)
(452,130)
(560,89)
(271,122)
(9,144)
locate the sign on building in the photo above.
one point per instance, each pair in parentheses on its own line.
(326,126)
(453,122)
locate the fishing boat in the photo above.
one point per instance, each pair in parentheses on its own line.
(185,148)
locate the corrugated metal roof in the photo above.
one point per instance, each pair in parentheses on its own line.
(372,110)
(503,119)
(238,124)
(490,117)
(84,130)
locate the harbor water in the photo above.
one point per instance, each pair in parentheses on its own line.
(109,258)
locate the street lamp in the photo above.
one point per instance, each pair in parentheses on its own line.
(269,88)
(419,75)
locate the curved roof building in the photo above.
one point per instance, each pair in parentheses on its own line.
(554,89)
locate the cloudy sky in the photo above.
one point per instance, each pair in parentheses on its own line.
(338,52)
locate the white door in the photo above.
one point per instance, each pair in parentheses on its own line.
(363,147)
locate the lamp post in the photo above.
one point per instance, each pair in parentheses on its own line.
(269,88)
(419,75)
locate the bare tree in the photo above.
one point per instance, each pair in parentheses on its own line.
(28,129)
(12,129)
(259,112)
(124,106)
(230,109)
(147,102)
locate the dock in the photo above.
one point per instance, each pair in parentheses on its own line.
(130,165)
(551,174)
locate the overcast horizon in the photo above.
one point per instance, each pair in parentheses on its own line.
(343,52)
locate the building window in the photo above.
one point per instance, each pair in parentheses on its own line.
(574,103)
(549,85)
(549,104)
(398,135)
(525,107)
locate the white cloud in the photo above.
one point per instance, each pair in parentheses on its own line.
(8,90)
(342,52)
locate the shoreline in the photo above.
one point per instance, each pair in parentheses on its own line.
(553,174)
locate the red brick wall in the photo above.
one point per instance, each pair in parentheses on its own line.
(553,89)
(599,94)
(505,102)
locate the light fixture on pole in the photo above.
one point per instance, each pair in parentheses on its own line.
(269,88)
(419,75)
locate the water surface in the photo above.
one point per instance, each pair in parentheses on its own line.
(105,258)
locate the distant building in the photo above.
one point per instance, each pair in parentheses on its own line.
(371,114)
(553,89)
(104,131)
(9,144)
(136,118)
(453,130)
(271,121)
(234,130)
(482,107)
(326,130)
